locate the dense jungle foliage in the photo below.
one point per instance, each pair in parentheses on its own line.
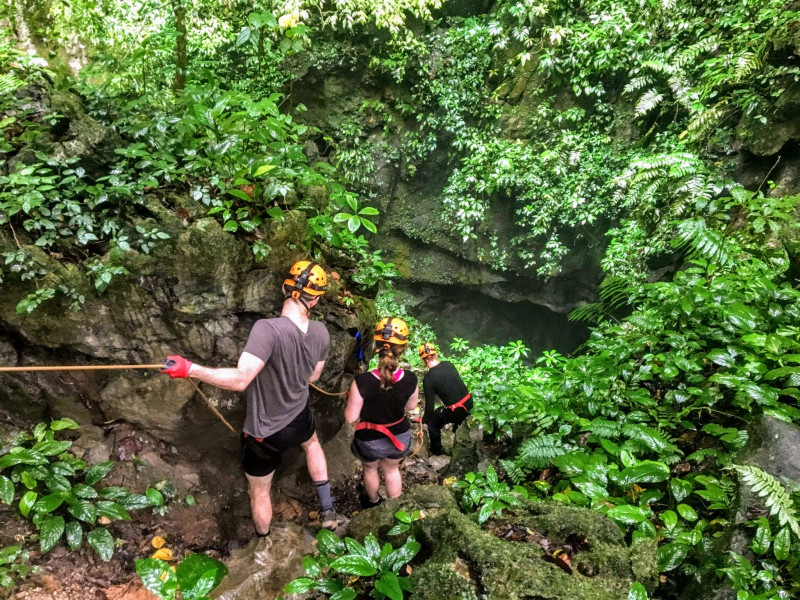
(622,136)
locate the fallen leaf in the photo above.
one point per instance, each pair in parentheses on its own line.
(162,554)
(103,520)
(158,541)
(313,515)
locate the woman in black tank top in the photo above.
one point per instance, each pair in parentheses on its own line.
(379,400)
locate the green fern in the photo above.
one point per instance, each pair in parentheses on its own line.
(648,101)
(514,472)
(772,492)
(704,242)
(604,428)
(9,83)
(539,452)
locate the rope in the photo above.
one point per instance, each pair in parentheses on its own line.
(117,367)
(321,391)
(212,407)
(79,368)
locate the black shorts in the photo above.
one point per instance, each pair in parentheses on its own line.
(259,459)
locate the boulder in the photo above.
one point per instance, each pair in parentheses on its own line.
(465,560)
(263,567)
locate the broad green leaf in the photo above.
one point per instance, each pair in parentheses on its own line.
(329,543)
(98,472)
(133,501)
(51,447)
(102,542)
(74,534)
(687,512)
(389,585)
(646,471)
(628,514)
(47,504)
(50,532)
(328,585)
(354,565)
(369,210)
(117,493)
(671,555)
(345,594)
(369,225)
(198,574)
(6,490)
(58,483)
(783,543)
(22,456)
(311,566)
(301,585)
(26,503)
(402,516)
(84,491)
(637,592)
(155,497)
(680,488)
(158,577)
(669,518)
(65,423)
(9,554)
(353,223)
(239,194)
(263,169)
(741,316)
(83,510)
(763,537)
(404,554)
(372,547)
(354,548)
(484,513)
(112,510)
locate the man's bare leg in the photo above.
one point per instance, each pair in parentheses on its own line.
(260,502)
(315,459)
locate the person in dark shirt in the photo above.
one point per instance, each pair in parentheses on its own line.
(443,381)
(379,400)
(282,356)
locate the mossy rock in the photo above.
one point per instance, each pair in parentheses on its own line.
(464,560)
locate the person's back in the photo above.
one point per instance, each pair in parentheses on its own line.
(443,381)
(280,390)
(379,400)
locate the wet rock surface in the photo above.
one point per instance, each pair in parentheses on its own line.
(465,560)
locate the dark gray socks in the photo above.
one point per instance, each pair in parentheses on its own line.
(324,492)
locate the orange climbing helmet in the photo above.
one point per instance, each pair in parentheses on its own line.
(305,277)
(427,350)
(390,330)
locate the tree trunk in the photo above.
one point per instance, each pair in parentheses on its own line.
(180,48)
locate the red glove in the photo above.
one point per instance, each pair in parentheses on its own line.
(177,367)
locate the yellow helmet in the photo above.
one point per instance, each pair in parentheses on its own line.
(427,350)
(390,330)
(307,277)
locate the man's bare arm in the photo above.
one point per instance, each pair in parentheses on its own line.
(413,400)
(317,371)
(230,379)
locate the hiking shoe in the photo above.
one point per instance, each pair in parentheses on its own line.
(367,503)
(331,519)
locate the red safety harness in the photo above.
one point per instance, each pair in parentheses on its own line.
(460,403)
(384,427)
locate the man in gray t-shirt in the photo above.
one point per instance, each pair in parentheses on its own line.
(281,358)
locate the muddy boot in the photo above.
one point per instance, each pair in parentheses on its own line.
(331,519)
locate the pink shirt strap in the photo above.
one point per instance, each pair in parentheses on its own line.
(397,374)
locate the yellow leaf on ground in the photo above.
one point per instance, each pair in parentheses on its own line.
(103,520)
(162,554)
(158,541)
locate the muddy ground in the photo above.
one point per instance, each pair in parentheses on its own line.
(216,524)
